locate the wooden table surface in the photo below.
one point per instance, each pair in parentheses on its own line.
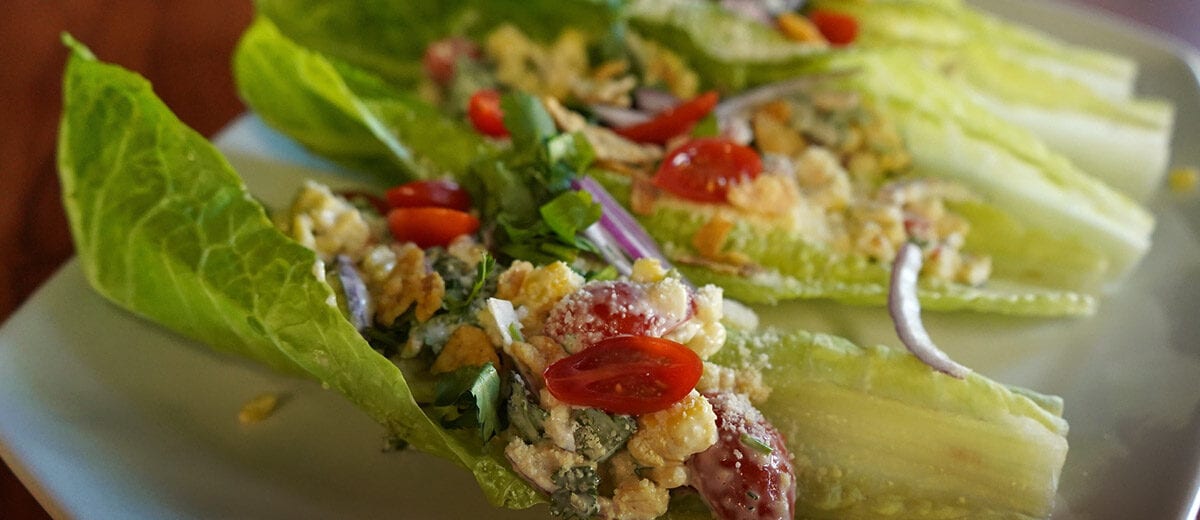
(183,47)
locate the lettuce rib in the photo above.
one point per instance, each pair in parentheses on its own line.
(164,228)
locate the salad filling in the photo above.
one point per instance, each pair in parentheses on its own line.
(817,162)
(598,391)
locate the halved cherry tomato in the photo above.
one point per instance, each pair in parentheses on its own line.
(748,472)
(484,112)
(441,57)
(671,122)
(626,375)
(838,28)
(430,226)
(703,169)
(440,193)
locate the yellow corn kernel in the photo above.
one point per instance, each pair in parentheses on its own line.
(468,346)
(259,408)
(647,270)
(799,28)
(1184,179)
(775,136)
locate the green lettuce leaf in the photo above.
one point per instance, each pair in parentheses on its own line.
(347,114)
(1034,82)
(874,433)
(797,269)
(945,26)
(949,135)
(388,37)
(164,228)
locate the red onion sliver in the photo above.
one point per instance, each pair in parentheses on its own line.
(905,309)
(746,101)
(624,229)
(652,100)
(618,117)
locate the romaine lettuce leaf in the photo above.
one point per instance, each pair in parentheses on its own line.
(944,26)
(1034,82)
(164,228)
(796,269)
(949,135)
(874,433)
(346,113)
(388,37)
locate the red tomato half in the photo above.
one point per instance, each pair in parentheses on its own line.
(838,28)
(441,57)
(484,112)
(430,226)
(672,122)
(440,193)
(703,169)
(626,375)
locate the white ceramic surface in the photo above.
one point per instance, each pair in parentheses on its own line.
(105,415)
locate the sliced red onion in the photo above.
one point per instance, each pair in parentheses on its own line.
(625,231)
(905,308)
(619,116)
(355,291)
(653,100)
(610,251)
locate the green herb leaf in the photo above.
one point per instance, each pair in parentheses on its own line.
(527,121)
(756,444)
(475,394)
(569,213)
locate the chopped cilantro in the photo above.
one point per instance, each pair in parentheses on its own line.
(474,395)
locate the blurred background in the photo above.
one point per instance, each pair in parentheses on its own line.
(183,47)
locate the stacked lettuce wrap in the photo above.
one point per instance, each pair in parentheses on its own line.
(164,228)
(1057,236)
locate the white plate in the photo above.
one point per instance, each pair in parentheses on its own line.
(104,415)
